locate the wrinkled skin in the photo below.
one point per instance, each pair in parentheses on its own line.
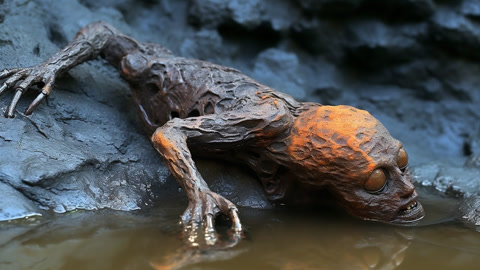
(343,149)
(190,106)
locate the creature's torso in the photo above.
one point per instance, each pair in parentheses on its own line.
(170,87)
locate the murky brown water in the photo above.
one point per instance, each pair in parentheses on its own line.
(276,239)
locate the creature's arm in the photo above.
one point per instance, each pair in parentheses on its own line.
(93,40)
(251,126)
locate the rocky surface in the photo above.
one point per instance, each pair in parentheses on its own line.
(412,64)
(457,180)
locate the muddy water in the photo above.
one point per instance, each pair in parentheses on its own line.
(275,239)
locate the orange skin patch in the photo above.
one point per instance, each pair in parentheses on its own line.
(328,139)
(338,148)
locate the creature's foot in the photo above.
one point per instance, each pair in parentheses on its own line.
(24,78)
(198,220)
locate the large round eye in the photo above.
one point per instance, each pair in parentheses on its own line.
(402,159)
(376,181)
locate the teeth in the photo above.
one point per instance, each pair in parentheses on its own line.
(411,206)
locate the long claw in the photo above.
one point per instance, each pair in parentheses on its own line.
(209,223)
(13,104)
(211,237)
(35,103)
(237,226)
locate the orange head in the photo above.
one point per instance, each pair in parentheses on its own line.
(349,152)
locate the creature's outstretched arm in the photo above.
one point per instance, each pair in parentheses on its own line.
(251,126)
(91,41)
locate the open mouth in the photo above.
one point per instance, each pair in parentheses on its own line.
(413,211)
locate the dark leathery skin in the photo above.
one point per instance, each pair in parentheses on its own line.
(194,106)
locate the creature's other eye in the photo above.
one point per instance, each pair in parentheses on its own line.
(402,159)
(377,181)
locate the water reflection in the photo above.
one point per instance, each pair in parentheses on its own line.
(275,239)
(185,257)
(102,240)
(292,240)
(313,243)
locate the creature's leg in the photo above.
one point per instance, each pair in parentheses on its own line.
(95,39)
(252,127)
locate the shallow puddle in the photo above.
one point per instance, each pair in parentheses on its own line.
(275,239)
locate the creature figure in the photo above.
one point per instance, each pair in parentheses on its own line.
(195,107)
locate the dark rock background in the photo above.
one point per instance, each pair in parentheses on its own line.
(412,64)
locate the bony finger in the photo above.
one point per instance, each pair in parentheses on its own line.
(7,72)
(4,73)
(26,83)
(211,237)
(3,88)
(10,82)
(45,92)
(48,87)
(13,79)
(35,103)
(209,223)
(13,104)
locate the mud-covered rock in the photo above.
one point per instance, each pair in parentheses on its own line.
(369,43)
(15,205)
(246,14)
(209,13)
(456,181)
(194,47)
(472,149)
(455,33)
(375,44)
(213,13)
(469,210)
(470,8)
(400,10)
(278,69)
(332,7)
(473,143)
(327,38)
(389,10)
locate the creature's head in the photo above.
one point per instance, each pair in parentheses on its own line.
(352,154)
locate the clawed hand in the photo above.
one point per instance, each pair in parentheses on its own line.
(198,220)
(22,79)
(202,242)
